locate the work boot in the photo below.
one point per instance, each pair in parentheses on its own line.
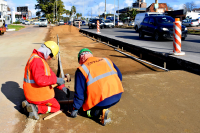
(24,104)
(33,111)
(106,117)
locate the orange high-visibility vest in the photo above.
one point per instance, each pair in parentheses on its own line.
(102,81)
(32,91)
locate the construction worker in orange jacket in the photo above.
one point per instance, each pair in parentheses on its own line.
(38,78)
(97,86)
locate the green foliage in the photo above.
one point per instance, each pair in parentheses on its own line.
(130,14)
(48,7)
(16,27)
(17,22)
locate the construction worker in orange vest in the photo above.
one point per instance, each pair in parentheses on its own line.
(38,78)
(97,86)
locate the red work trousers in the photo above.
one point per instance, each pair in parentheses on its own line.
(43,105)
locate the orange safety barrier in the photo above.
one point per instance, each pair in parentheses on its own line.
(79,24)
(177,37)
(98,29)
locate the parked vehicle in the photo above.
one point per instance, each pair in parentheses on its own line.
(191,22)
(84,22)
(43,22)
(27,22)
(69,23)
(159,27)
(61,22)
(192,15)
(131,23)
(140,16)
(76,22)
(108,24)
(23,21)
(120,23)
(93,23)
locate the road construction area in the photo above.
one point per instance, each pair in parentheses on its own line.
(154,101)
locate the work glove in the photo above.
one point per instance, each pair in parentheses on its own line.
(60,81)
(67,92)
(74,113)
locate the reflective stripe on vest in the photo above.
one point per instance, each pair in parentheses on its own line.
(92,80)
(27,80)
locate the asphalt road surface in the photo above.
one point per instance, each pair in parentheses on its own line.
(191,45)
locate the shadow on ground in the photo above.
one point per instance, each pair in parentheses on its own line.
(14,93)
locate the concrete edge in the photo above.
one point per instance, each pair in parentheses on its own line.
(161,57)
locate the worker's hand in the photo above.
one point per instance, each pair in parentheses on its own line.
(74,113)
(60,81)
(67,92)
(61,87)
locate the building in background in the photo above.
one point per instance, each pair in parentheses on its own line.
(160,7)
(3,8)
(24,12)
(139,4)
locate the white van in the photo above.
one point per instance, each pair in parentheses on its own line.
(140,16)
(43,22)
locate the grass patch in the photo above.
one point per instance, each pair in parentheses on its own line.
(192,31)
(16,27)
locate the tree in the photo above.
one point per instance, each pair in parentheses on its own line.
(46,7)
(189,6)
(73,10)
(8,8)
(67,12)
(170,8)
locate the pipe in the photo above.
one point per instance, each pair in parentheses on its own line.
(142,60)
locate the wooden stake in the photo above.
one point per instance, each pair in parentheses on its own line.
(52,115)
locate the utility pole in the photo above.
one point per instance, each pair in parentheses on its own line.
(105,10)
(114,12)
(91,12)
(118,10)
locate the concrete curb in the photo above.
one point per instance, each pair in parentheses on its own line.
(155,57)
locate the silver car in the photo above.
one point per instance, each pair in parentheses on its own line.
(191,22)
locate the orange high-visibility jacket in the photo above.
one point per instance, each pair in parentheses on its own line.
(102,81)
(32,91)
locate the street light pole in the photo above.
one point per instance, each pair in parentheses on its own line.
(114,12)
(118,10)
(105,10)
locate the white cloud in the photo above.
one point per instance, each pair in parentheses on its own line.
(128,2)
(177,7)
(11,4)
(197,3)
(31,6)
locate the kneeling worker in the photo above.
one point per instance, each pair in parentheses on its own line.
(38,78)
(97,86)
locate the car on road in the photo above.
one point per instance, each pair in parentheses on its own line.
(120,23)
(23,21)
(159,27)
(76,22)
(43,22)
(93,23)
(84,22)
(61,22)
(140,16)
(131,23)
(108,24)
(27,22)
(191,22)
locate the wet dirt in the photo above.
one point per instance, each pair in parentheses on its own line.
(153,100)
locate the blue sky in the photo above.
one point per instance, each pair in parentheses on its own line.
(94,7)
